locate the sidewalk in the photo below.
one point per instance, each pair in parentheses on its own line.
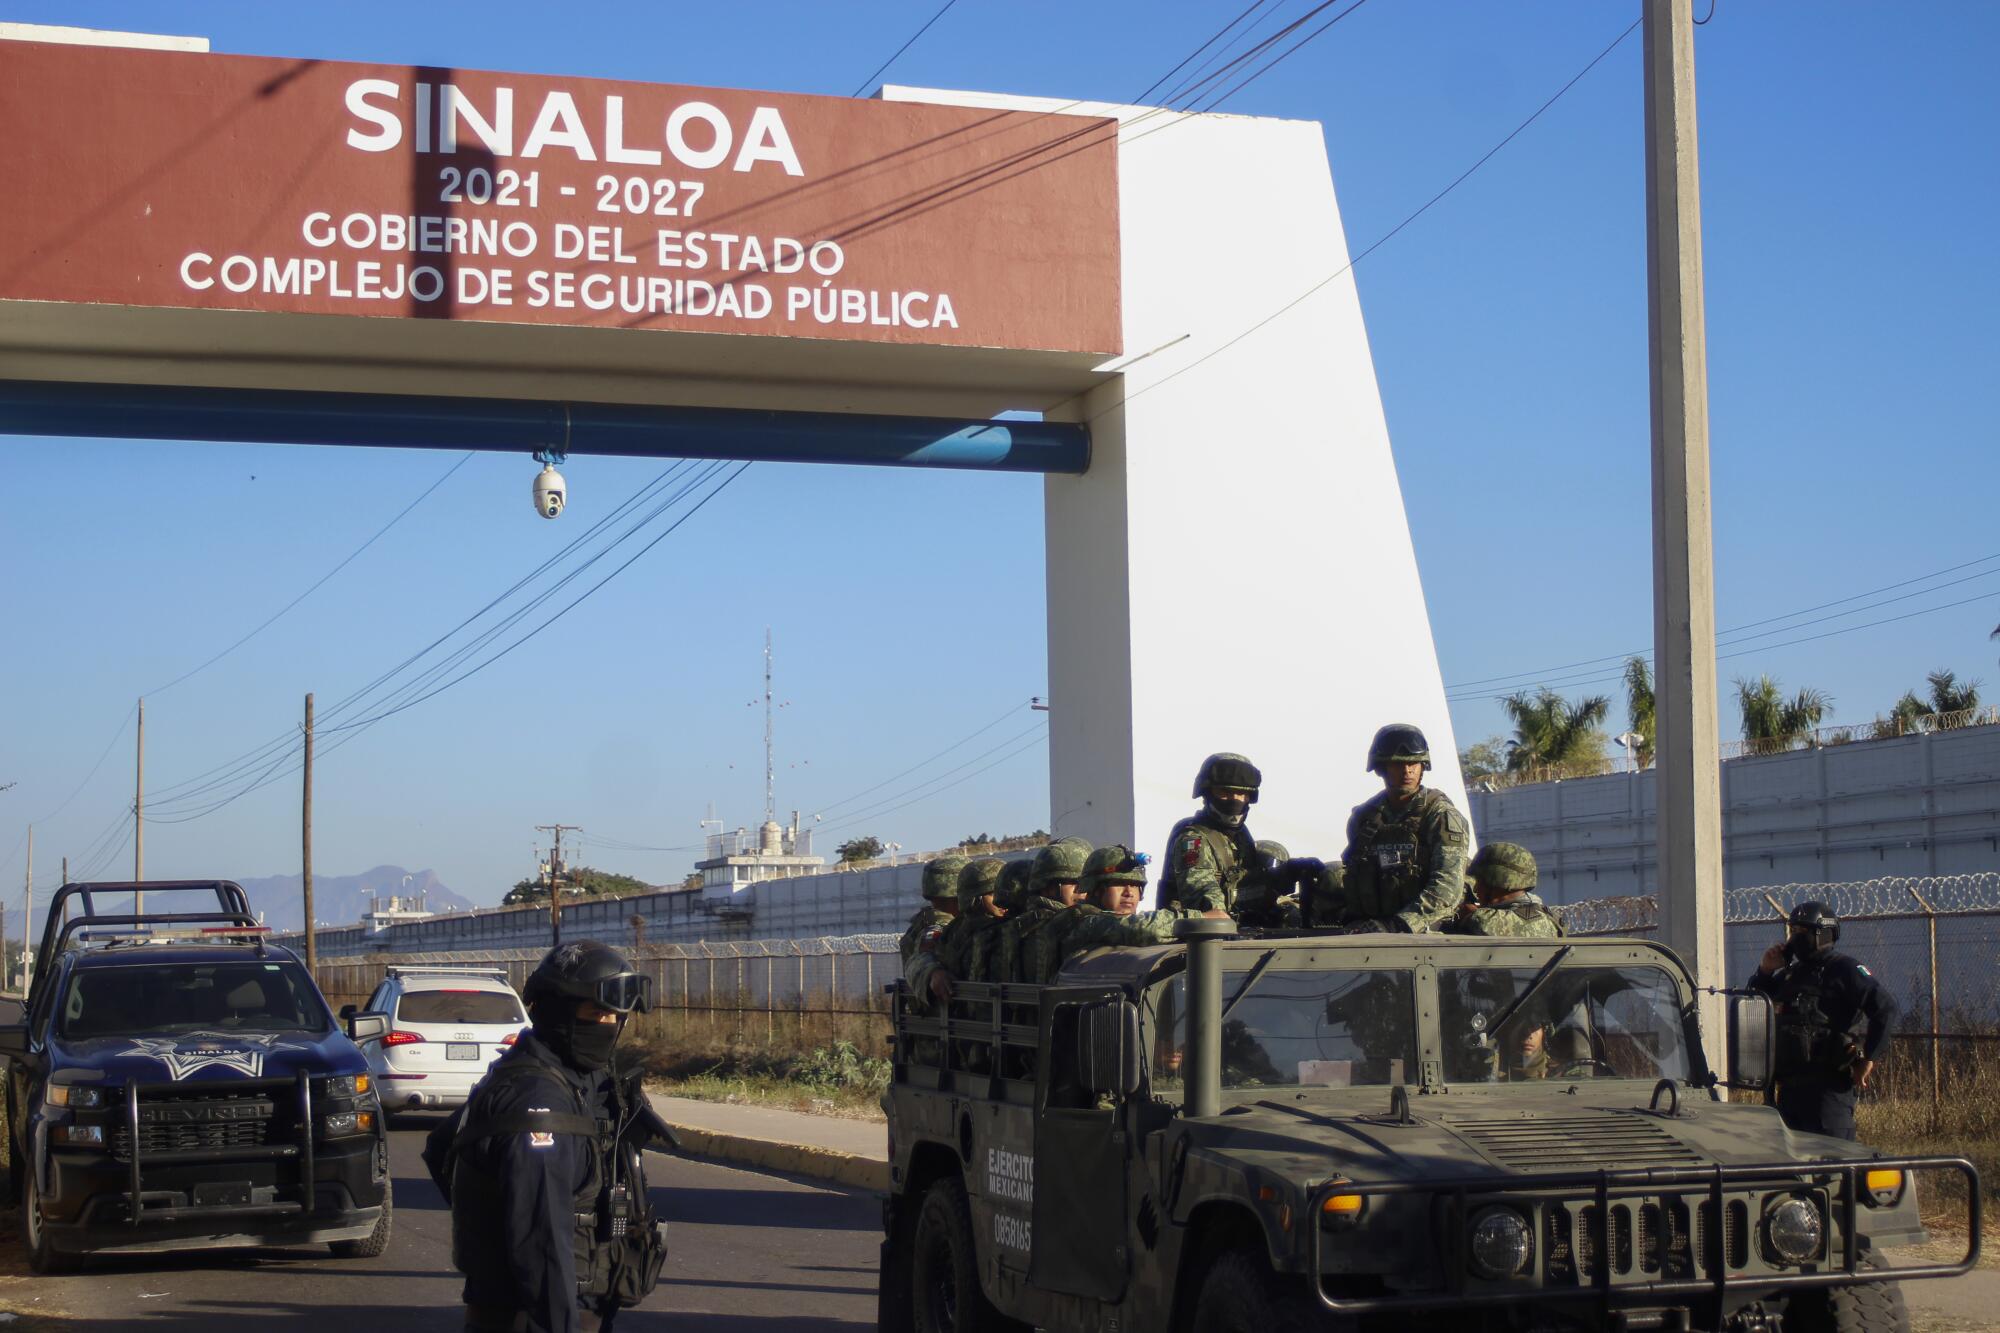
(842,1152)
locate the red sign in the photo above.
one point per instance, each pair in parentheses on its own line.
(152,178)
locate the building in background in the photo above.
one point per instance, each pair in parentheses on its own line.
(734,862)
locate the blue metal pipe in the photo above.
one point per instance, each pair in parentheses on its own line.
(513,425)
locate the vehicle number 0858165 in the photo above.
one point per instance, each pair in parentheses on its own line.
(656,198)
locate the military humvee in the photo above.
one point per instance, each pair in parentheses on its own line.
(1256,1135)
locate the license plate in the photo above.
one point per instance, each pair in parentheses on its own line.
(222,1194)
(461,1050)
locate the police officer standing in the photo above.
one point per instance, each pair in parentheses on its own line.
(1210,851)
(1833,1022)
(1404,867)
(549,1218)
(1504,902)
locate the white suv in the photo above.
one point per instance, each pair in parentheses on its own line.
(446,1025)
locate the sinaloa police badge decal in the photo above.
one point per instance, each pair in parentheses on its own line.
(242,1053)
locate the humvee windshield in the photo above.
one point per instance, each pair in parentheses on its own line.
(1603,1022)
(223,997)
(1307,1027)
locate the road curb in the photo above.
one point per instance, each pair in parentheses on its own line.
(827,1164)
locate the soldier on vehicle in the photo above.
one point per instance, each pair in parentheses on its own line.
(940,904)
(1404,867)
(961,950)
(1052,883)
(1833,1023)
(542,1168)
(1502,877)
(1265,897)
(1115,880)
(1211,850)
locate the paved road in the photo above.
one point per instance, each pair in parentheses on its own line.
(748,1253)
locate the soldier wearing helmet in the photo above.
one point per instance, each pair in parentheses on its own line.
(1833,1022)
(1052,890)
(1263,898)
(543,1165)
(1114,881)
(940,904)
(1210,851)
(1502,878)
(960,952)
(1404,867)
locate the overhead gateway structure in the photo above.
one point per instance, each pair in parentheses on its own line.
(203,246)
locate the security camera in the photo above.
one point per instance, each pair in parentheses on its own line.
(550,491)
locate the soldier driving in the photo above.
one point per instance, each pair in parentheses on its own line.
(1404,866)
(1833,1022)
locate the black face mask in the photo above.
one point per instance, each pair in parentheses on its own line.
(584,1047)
(1802,945)
(1230,811)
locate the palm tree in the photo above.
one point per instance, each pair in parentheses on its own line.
(1552,734)
(1907,716)
(1948,696)
(1771,722)
(1639,708)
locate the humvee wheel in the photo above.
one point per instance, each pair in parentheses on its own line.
(945,1296)
(1874,1307)
(1240,1294)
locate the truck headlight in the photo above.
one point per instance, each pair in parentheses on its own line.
(1794,1231)
(343,1123)
(77,1096)
(347,1085)
(1501,1243)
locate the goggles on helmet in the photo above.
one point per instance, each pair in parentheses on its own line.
(629,992)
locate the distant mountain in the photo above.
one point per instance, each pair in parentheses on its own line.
(339,900)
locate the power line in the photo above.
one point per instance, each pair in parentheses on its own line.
(1213,39)
(1012,710)
(904,47)
(876,809)
(1015,753)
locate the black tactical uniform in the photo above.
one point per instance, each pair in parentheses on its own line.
(1831,1014)
(550,1221)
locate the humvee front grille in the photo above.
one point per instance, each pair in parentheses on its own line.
(1580,1142)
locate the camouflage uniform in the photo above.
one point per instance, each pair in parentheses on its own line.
(1208,854)
(1508,907)
(1405,861)
(1090,927)
(962,950)
(940,881)
(1062,859)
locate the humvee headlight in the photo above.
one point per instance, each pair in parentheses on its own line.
(1501,1243)
(85,1098)
(1794,1231)
(1883,1187)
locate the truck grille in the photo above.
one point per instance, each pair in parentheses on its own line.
(1652,1236)
(183,1121)
(1578,1142)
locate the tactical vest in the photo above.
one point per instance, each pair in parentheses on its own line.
(1807,1043)
(1391,863)
(614,1241)
(1043,942)
(1016,928)
(1238,853)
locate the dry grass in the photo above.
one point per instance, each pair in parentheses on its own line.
(821,1062)
(1900,1115)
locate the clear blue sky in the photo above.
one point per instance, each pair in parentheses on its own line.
(1848,192)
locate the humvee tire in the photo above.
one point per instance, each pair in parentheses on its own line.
(375,1241)
(1240,1294)
(1874,1307)
(945,1295)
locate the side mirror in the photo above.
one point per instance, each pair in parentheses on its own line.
(1107,1048)
(1752,1043)
(367,1027)
(348,1011)
(14,1041)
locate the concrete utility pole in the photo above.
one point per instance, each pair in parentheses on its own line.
(1686,752)
(306,844)
(139,815)
(556,872)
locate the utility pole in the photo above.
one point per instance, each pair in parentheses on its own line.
(1686,753)
(139,816)
(770,753)
(306,844)
(556,872)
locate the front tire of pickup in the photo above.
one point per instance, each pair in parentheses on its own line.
(375,1241)
(1240,1294)
(1872,1307)
(945,1295)
(43,1257)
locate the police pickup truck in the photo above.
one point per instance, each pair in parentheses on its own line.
(1258,1135)
(179,1083)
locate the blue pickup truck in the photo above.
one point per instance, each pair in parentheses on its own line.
(175,1081)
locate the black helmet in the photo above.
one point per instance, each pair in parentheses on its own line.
(1815,924)
(1401,743)
(1228,770)
(587,970)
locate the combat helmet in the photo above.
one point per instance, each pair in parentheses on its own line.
(587,970)
(941,876)
(1013,890)
(1227,770)
(1814,924)
(976,880)
(1504,866)
(1113,864)
(1272,853)
(1400,743)
(1060,860)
